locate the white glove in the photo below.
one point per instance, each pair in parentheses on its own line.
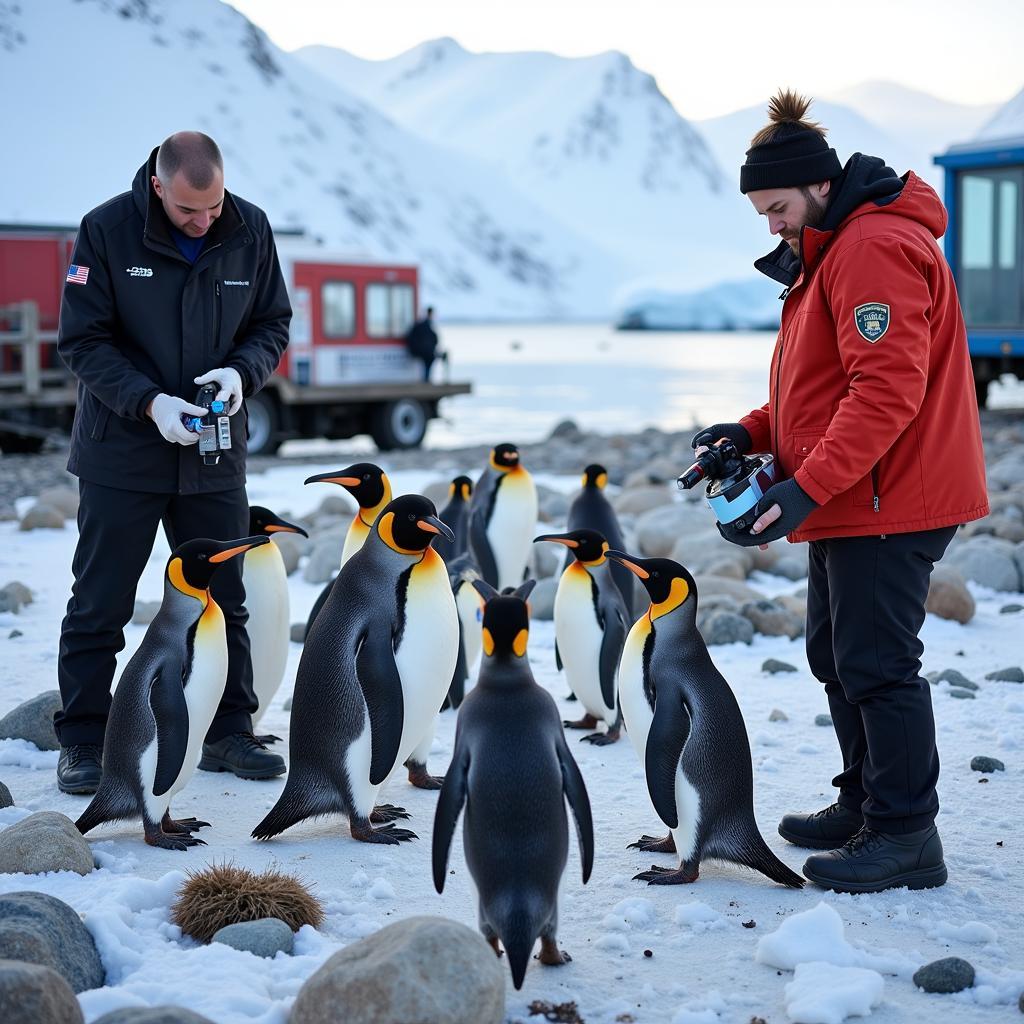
(229,381)
(166,412)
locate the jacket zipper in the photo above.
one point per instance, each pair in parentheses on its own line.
(778,373)
(874,488)
(217,318)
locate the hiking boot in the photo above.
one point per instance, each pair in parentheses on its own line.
(79,769)
(243,754)
(822,830)
(873,861)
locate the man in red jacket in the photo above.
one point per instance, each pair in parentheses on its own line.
(873,422)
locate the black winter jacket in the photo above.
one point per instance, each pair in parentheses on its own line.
(147,321)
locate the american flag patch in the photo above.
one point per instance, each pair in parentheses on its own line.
(77,274)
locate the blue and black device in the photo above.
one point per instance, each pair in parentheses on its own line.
(213,428)
(736,483)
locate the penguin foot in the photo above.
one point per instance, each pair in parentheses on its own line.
(386,835)
(181,826)
(551,955)
(650,844)
(667,876)
(421,778)
(586,722)
(571,696)
(601,739)
(269,738)
(159,838)
(384,813)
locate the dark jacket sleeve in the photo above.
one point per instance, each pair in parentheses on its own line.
(86,338)
(257,354)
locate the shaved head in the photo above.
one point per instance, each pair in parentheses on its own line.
(195,155)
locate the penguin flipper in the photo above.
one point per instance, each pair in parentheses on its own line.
(167,699)
(381,685)
(558,656)
(576,793)
(457,690)
(612,640)
(665,742)
(449,807)
(481,548)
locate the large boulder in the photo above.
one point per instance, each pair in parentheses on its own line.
(552,505)
(772,619)
(948,596)
(42,517)
(34,994)
(1005,472)
(41,929)
(63,499)
(33,721)
(324,558)
(424,969)
(723,627)
(989,561)
(292,546)
(13,596)
(152,1015)
(642,499)
(542,600)
(708,586)
(663,531)
(6,800)
(44,841)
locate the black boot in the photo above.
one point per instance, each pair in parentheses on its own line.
(822,830)
(873,861)
(79,769)
(243,754)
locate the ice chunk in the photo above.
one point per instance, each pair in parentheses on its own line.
(822,993)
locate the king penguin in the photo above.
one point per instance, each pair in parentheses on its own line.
(462,572)
(688,731)
(455,515)
(513,771)
(165,700)
(374,670)
(370,486)
(590,629)
(502,518)
(266,599)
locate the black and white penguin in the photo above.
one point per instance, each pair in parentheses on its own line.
(266,600)
(462,571)
(590,629)
(688,731)
(374,671)
(503,518)
(513,771)
(165,700)
(591,510)
(455,515)
(371,488)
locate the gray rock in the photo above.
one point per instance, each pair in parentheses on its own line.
(954,678)
(145,612)
(708,586)
(728,566)
(987,765)
(988,561)
(41,929)
(722,627)
(291,546)
(1013,674)
(6,800)
(14,596)
(771,619)
(424,969)
(791,563)
(323,560)
(671,529)
(721,602)
(566,430)
(42,517)
(662,469)
(773,666)
(778,716)
(14,633)
(44,841)
(643,499)
(544,561)
(298,632)
(1010,609)
(63,499)
(336,504)
(152,1015)
(552,505)
(266,937)
(960,693)
(825,721)
(950,974)
(33,721)
(542,600)
(795,604)
(35,994)
(948,596)
(1003,473)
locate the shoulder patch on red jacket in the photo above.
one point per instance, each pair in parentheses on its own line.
(871,320)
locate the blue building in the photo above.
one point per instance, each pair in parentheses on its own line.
(984,194)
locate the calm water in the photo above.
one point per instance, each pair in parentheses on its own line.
(528,378)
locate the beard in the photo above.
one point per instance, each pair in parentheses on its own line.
(814,217)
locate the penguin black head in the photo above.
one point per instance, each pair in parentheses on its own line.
(409,523)
(595,475)
(587,546)
(667,583)
(504,457)
(506,622)
(192,564)
(461,487)
(367,483)
(263,521)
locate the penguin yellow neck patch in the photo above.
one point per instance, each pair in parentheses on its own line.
(176,575)
(385,526)
(676,596)
(519,644)
(488,642)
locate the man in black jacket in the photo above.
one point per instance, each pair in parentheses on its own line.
(173,284)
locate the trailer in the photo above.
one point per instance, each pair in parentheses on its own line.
(984,244)
(346,370)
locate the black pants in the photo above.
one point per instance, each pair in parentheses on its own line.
(116,533)
(865,608)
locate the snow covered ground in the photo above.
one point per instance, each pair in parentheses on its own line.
(706,965)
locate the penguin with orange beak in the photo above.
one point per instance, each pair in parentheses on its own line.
(166,699)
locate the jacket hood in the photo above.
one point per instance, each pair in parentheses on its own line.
(867,185)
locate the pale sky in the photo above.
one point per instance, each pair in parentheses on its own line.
(709,57)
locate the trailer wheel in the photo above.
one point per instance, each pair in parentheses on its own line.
(398,424)
(262,425)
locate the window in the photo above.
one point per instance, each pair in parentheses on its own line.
(338,299)
(389,310)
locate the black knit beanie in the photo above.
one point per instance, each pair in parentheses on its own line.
(797,155)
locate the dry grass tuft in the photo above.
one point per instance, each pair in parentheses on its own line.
(223,894)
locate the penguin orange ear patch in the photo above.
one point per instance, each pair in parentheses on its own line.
(519,644)
(488,642)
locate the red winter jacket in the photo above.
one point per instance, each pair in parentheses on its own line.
(871,407)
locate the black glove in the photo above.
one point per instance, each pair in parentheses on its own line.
(734,431)
(796,507)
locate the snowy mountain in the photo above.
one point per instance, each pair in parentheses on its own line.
(99,83)
(1008,122)
(592,140)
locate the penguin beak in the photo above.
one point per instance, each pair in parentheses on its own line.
(554,538)
(237,548)
(623,559)
(431,524)
(337,477)
(281,526)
